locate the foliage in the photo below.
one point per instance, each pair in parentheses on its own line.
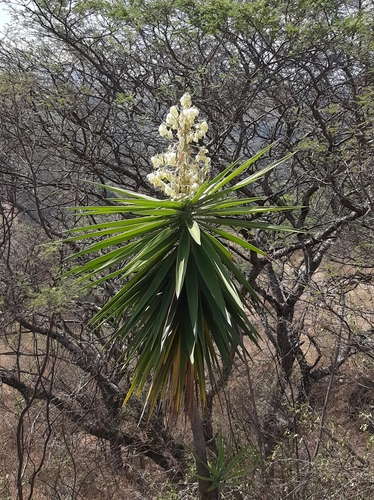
(225,471)
(179,294)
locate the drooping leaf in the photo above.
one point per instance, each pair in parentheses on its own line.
(206,271)
(192,296)
(181,309)
(182,260)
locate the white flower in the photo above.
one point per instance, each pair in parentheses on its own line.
(190,114)
(155,180)
(171,120)
(199,134)
(167,175)
(157,161)
(170,158)
(204,127)
(186,100)
(183,168)
(174,111)
(168,190)
(163,129)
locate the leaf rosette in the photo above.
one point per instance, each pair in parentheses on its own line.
(182,310)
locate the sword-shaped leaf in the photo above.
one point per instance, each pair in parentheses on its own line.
(216,186)
(182,260)
(193,228)
(235,239)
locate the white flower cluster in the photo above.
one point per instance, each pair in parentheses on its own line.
(183,168)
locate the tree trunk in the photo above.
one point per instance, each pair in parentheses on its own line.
(201,457)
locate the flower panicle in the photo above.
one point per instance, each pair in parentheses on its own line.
(182,169)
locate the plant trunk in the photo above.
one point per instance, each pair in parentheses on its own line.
(201,457)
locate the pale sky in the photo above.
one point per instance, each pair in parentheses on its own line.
(4,16)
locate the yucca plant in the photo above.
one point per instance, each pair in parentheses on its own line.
(181,311)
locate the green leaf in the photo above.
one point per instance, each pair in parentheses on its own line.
(192,294)
(242,211)
(188,336)
(252,178)
(153,248)
(182,260)
(107,225)
(216,319)
(222,274)
(225,203)
(233,238)
(125,235)
(194,229)
(151,291)
(222,248)
(249,224)
(226,179)
(162,313)
(208,274)
(126,192)
(210,188)
(109,259)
